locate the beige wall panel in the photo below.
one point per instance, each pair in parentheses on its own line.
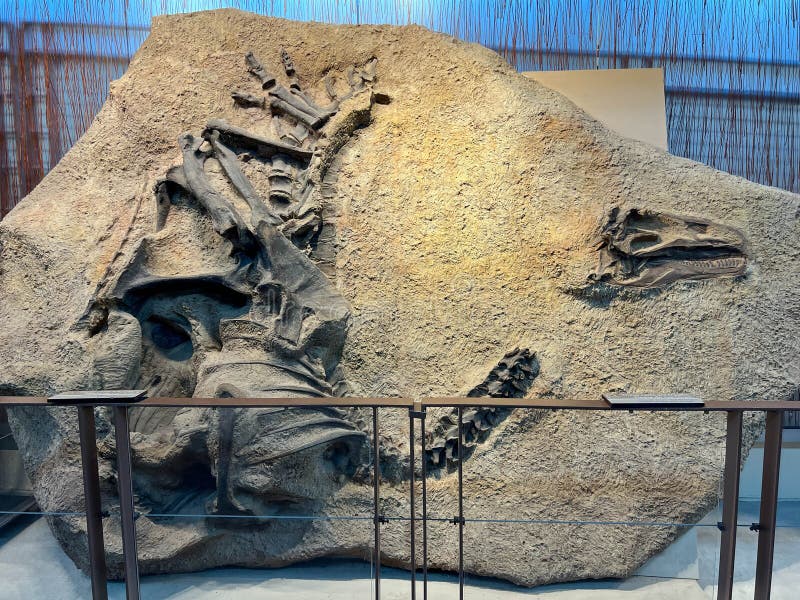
(629,101)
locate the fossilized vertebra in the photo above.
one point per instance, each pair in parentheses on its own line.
(511,378)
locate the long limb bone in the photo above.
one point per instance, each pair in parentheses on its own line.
(230,164)
(264,147)
(224,218)
(299,101)
(302,116)
(256,68)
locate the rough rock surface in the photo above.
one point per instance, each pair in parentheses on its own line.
(466,211)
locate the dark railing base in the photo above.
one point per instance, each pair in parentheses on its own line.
(91,494)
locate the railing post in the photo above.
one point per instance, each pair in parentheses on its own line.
(424,505)
(730,504)
(769,504)
(460,503)
(126,509)
(376,493)
(414,413)
(412,495)
(91,494)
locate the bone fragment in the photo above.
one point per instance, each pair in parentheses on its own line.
(255,67)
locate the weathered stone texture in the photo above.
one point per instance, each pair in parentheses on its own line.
(466,211)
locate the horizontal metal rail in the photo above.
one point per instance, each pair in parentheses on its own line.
(218,402)
(774,409)
(542,402)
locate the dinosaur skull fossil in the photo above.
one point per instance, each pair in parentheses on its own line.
(643,248)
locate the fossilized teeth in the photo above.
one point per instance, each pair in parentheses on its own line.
(718,264)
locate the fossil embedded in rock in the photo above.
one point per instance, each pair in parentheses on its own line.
(399,250)
(644,248)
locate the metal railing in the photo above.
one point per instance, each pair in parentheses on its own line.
(791,418)
(734,410)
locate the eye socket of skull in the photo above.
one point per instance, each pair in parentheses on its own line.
(642,241)
(180,323)
(169,336)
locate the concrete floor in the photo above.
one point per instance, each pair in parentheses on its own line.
(786,570)
(32,566)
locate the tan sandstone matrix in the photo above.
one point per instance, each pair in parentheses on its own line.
(270,208)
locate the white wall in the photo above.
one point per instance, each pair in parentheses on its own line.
(789,482)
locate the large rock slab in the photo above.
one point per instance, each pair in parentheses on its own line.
(436,224)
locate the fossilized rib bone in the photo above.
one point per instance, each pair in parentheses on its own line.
(263,147)
(297,106)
